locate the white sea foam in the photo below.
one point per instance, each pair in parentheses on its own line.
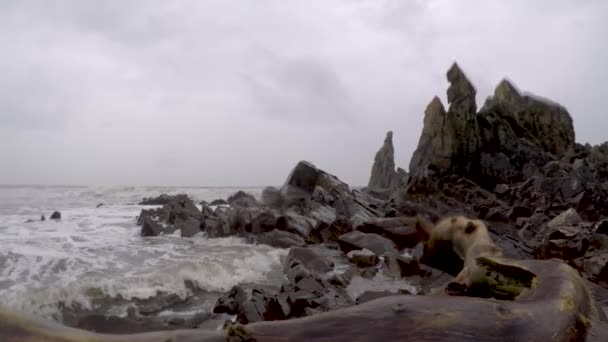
(93,254)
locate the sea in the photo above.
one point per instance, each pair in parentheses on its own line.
(94,255)
(94,259)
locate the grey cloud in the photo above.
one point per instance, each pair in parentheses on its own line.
(302,89)
(227,92)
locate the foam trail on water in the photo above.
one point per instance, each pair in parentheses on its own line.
(95,255)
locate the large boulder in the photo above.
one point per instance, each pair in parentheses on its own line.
(280,239)
(357,240)
(401,230)
(55,216)
(180,213)
(242,199)
(152,226)
(363,258)
(248,304)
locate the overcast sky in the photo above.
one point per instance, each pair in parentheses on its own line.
(155,92)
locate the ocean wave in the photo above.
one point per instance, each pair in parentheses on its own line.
(91,290)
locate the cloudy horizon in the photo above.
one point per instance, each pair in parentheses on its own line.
(235,93)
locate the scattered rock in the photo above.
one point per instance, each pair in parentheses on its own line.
(567,218)
(180,213)
(218,202)
(280,239)
(42,218)
(99,205)
(357,240)
(240,195)
(163,199)
(363,258)
(400,266)
(401,230)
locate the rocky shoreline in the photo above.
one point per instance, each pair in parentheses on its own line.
(514,164)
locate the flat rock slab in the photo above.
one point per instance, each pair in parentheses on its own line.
(357,240)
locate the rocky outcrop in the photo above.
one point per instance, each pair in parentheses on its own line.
(548,123)
(162,199)
(448,139)
(384,176)
(178,214)
(55,216)
(218,202)
(508,141)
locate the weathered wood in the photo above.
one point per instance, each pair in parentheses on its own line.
(555,305)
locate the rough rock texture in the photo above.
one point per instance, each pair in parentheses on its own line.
(362,258)
(448,139)
(357,240)
(384,176)
(179,213)
(162,199)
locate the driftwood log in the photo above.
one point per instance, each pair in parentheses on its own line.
(551,303)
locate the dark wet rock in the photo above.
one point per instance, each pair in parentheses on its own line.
(239,195)
(189,226)
(401,230)
(248,304)
(280,239)
(151,226)
(296,224)
(362,258)
(245,202)
(272,197)
(309,258)
(530,227)
(520,212)
(215,227)
(602,227)
(180,213)
(328,232)
(304,176)
(399,266)
(218,202)
(163,199)
(356,240)
(566,242)
(56,215)
(596,267)
(311,292)
(384,175)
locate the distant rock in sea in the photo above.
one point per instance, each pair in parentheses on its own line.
(56,216)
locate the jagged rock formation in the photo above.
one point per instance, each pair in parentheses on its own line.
(514,164)
(509,140)
(384,176)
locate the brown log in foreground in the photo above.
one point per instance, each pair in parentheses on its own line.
(557,307)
